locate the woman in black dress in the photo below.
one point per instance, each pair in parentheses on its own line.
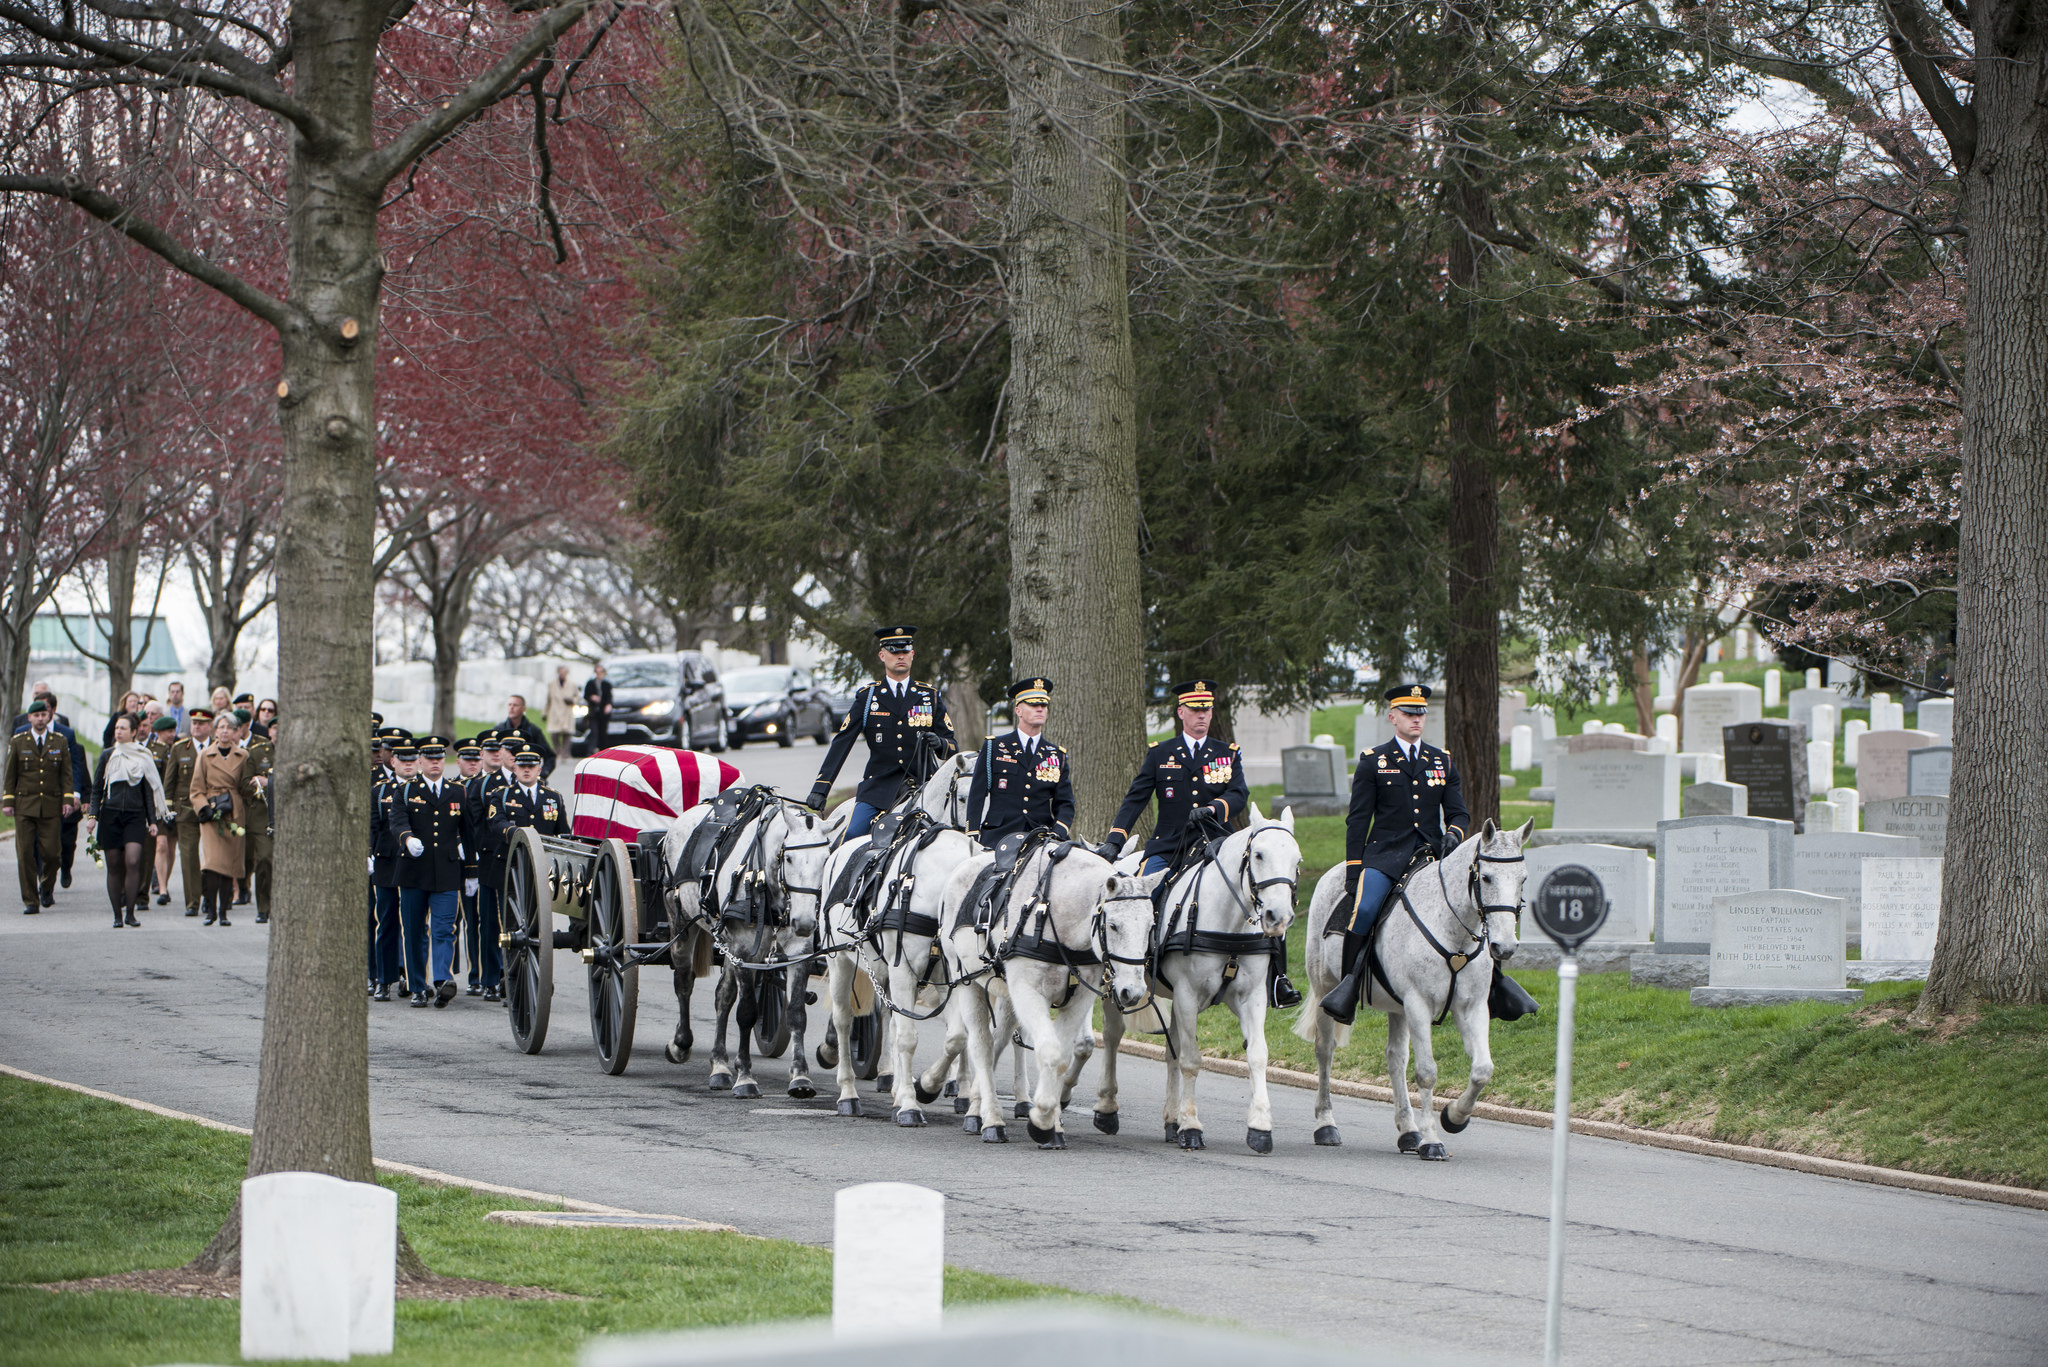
(127,803)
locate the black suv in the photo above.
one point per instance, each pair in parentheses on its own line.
(664,699)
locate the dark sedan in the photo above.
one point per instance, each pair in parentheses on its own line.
(778,703)
(667,699)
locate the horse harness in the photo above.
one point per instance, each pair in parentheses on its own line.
(1172,936)
(1456,962)
(708,854)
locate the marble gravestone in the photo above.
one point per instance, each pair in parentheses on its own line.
(1605,740)
(319,1265)
(1769,759)
(1710,797)
(1628,876)
(1927,770)
(1703,857)
(1924,818)
(1937,717)
(1881,762)
(1615,790)
(1778,945)
(1901,913)
(1831,864)
(1314,781)
(888,1257)
(1799,705)
(1709,708)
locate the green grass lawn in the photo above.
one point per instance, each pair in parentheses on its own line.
(94,1188)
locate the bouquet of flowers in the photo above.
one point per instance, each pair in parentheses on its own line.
(92,846)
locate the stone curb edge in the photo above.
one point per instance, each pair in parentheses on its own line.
(427,1175)
(1656,1139)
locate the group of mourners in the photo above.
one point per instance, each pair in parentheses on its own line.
(438,837)
(155,797)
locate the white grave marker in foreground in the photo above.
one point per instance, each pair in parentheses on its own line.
(319,1258)
(1901,908)
(888,1258)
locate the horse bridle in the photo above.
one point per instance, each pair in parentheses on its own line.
(1099,933)
(1489,908)
(1244,872)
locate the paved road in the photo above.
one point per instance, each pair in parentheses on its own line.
(1675,1259)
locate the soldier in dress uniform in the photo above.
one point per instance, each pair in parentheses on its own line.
(1406,797)
(890,714)
(387,822)
(178,768)
(1022,781)
(431,875)
(39,795)
(526,801)
(1200,784)
(469,757)
(262,752)
(481,797)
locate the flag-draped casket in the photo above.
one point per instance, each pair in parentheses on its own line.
(627,789)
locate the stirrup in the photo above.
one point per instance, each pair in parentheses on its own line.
(1342,1003)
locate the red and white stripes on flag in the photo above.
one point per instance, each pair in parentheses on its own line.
(627,789)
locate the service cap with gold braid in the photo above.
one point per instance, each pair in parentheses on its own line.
(467,748)
(1037,689)
(1409,696)
(1195,693)
(527,755)
(895,638)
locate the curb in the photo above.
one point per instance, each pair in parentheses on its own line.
(1655,1139)
(425,1175)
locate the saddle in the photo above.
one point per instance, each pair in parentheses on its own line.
(1033,936)
(988,897)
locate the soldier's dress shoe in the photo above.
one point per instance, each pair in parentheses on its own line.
(191,911)
(49,899)
(475,990)
(262,918)
(444,993)
(382,994)
(242,900)
(30,911)
(422,999)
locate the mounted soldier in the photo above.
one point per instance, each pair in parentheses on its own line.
(1200,784)
(1022,781)
(904,724)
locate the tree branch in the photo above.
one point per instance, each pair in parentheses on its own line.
(1914,45)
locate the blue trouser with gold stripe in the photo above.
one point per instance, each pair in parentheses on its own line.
(1374,888)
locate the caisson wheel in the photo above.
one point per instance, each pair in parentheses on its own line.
(771,1012)
(530,944)
(614,981)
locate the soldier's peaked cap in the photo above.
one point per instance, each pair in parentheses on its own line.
(431,746)
(1408,695)
(527,755)
(1036,689)
(896,638)
(1195,693)
(467,748)
(199,714)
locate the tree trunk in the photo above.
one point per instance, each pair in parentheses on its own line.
(449,603)
(1644,689)
(123,562)
(1993,943)
(967,712)
(1472,657)
(1072,453)
(313,1092)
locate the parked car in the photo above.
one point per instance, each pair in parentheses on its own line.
(671,698)
(778,703)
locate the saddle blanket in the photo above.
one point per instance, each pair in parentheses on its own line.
(627,789)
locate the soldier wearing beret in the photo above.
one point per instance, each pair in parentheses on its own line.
(894,715)
(39,795)
(179,766)
(1022,781)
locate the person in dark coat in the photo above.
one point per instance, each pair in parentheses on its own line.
(597,704)
(127,805)
(40,793)
(387,825)
(431,874)
(526,801)
(1022,781)
(893,715)
(518,727)
(480,799)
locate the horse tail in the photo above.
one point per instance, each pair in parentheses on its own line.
(1305,1017)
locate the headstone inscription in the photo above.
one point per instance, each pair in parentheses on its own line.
(1846,802)
(1882,770)
(1313,780)
(1711,707)
(1937,717)
(1605,740)
(1701,858)
(1820,816)
(1901,909)
(1924,818)
(1769,759)
(1628,876)
(1927,770)
(1615,790)
(1831,863)
(1777,945)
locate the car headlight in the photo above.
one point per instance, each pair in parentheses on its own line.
(658,708)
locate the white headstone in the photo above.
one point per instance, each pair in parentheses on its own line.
(1667,730)
(1713,652)
(1627,874)
(1831,863)
(1713,798)
(1593,727)
(1882,772)
(1820,816)
(1521,748)
(1820,766)
(1615,728)
(1924,818)
(1710,769)
(1615,790)
(1664,688)
(1779,938)
(1513,702)
(1881,716)
(888,1258)
(1901,907)
(1937,717)
(1928,769)
(1709,707)
(1701,858)
(1846,803)
(319,1258)
(1544,720)
(1821,725)
(1840,675)
(1852,733)
(1799,707)
(1773,684)
(1813,678)
(1741,643)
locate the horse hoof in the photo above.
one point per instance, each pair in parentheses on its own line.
(959,1105)
(952,1087)
(1172,1131)
(994,1135)
(1058,1141)
(924,1098)
(848,1105)
(1433,1153)
(1327,1136)
(886,1083)
(1022,1109)
(802,1087)
(1038,1136)
(1451,1126)
(828,1056)
(1259,1141)
(1191,1139)
(721,1082)
(971,1125)
(910,1118)
(1108,1122)
(675,1054)
(1409,1142)
(747,1091)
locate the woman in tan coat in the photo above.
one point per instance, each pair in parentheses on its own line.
(221,770)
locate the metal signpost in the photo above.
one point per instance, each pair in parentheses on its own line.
(1570,908)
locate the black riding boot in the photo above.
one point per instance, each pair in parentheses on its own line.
(1280,991)
(1342,1003)
(1507,999)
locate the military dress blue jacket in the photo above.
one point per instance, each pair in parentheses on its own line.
(1397,807)
(1015,791)
(1212,776)
(890,725)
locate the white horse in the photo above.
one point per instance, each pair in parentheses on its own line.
(1218,915)
(1432,941)
(1043,955)
(892,942)
(766,894)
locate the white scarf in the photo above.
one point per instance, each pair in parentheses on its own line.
(130,762)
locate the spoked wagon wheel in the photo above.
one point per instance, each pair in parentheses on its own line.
(771,1012)
(867,1043)
(614,979)
(530,944)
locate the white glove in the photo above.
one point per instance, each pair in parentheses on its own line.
(373,866)
(413,846)
(469,887)
(460,853)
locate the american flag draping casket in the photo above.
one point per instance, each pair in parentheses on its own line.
(627,789)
